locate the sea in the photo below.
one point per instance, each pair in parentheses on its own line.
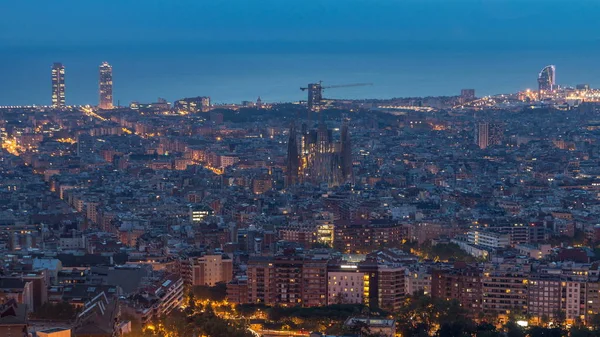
(231,72)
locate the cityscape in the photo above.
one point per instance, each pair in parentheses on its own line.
(334,214)
(123,213)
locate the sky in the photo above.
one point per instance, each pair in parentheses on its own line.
(239,49)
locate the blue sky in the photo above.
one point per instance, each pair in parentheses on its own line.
(92,22)
(239,49)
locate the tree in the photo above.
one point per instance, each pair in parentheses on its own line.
(545,319)
(362,329)
(216,293)
(191,305)
(485,329)
(416,330)
(420,313)
(514,330)
(561,316)
(446,251)
(581,331)
(595,321)
(451,311)
(517,314)
(538,331)
(455,329)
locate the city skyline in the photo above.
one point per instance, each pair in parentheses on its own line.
(309,168)
(236,54)
(546,80)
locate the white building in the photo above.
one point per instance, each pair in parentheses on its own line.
(211,269)
(72,242)
(476,251)
(488,239)
(417,280)
(170,295)
(537,252)
(575,295)
(227,161)
(345,287)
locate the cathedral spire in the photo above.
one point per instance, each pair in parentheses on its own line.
(293,158)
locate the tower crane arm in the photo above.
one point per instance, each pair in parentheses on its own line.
(347,85)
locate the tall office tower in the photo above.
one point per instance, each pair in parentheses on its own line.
(482,135)
(547,78)
(293,158)
(496,133)
(347,173)
(467,95)
(106,86)
(58,85)
(487,134)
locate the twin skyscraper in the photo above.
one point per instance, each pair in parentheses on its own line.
(105,86)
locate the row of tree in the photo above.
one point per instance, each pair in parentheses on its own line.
(422,316)
(194,320)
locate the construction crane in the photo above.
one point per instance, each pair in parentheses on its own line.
(315,92)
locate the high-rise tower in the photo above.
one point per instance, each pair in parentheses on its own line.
(106,86)
(58,85)
(547,78)
(482,135)
(488,134)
